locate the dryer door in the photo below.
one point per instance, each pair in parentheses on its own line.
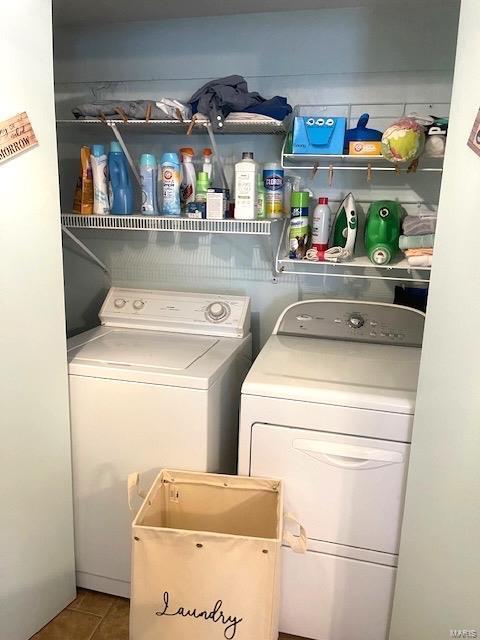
(345,490)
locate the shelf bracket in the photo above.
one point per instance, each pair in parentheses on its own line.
(277,247)
(118,136)
(86,250)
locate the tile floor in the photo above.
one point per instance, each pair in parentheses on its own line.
(95,616)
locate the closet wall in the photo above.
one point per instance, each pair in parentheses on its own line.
(367,55)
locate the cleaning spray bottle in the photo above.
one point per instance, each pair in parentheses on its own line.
(189,179)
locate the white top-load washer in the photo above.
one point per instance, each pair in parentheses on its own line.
(156,385)
(328,407)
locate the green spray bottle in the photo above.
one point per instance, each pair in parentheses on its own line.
(382,231)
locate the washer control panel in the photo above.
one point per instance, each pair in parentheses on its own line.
(209,314)
(374,322)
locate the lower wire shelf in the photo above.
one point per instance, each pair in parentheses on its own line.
(359,267)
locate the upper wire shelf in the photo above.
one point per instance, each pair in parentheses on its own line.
(382,115)
(237,126)
(354,163)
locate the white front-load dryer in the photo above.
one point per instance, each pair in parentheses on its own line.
(328,408)
(156,385)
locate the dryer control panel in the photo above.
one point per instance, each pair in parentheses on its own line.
(208,314)
(373,322)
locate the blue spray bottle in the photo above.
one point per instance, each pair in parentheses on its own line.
(121,191)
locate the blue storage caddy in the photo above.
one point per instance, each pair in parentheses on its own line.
(318,135)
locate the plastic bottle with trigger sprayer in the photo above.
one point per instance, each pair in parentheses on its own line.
(189,178)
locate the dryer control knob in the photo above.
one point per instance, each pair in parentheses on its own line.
(217,311)
(138,304)
(120,303)
(356,321)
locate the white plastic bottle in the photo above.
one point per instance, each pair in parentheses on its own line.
(189,178)
(98,161)
(321,227)
(246,187)
(207,166)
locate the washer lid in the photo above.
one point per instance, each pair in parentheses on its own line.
(344,373)
(152,357)
(145,349)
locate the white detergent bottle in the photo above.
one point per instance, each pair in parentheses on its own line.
(189,178)
(98,160)
(246,187)
(321,227)
(207,166)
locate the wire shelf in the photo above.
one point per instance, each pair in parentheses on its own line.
(354,163)
(399,270)
(381,116)
(166,223)
(237,126)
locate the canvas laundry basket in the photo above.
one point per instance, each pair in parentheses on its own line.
(206,558)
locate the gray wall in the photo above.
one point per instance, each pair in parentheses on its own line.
(438,587)
(366,55)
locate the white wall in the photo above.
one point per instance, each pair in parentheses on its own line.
(438,586)
(36,533)
(364,55)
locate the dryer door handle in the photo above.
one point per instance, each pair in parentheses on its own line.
(348,456)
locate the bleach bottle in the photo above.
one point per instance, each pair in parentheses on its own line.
(121,191)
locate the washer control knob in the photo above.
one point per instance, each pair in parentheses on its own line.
(119,303)
(356,321)
(217,311)
(138,304)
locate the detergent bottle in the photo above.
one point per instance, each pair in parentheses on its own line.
(148,175)
(98,161)
(170,175)
(121,191)
(382,231)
